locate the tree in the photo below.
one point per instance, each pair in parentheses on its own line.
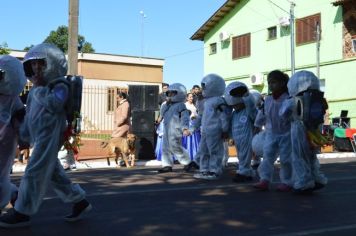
(60,39)
(4,49)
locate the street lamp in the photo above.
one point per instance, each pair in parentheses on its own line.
(143,16)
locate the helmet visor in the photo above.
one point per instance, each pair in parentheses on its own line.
(2,74)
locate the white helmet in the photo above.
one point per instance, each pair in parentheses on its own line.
(257,96)
(180,92)
(55,60)
(212,85)
(12,77)
(302,81)
(234,93)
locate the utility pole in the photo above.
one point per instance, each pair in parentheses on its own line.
(73,37)
(317,49)
(292,5)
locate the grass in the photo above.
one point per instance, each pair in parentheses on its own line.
(95,136)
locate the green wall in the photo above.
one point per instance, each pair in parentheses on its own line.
(255,16)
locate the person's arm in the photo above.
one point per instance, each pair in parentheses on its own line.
(184,119)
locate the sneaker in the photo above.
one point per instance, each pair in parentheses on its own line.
(14,219)
(263,185)
(191,167)
(284,188)
(78,210)
(210,176)
(165,169)
(200,175)
(241,178)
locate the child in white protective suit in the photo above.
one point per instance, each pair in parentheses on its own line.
(43,128)
(242,126)
(12,82)
(215,124)
(307,107)
(277,139)
(176,124)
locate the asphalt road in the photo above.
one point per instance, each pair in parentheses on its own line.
(140,202)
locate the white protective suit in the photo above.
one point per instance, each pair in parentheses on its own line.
(176,119)
(11,85)
(258,139)
(215,121)
(305,163)
(242,125)
(277,140)
(44,125)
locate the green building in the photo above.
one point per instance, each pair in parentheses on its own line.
(246,39)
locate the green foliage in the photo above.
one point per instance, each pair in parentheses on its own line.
(60,39)
(28,47)
(4,49)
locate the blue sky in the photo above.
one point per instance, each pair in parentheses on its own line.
(115,27)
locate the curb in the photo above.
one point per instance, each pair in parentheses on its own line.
(99,163)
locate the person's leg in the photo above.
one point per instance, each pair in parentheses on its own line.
(69,192)
(285,172)
(266,168)
(167,155)
(7,153)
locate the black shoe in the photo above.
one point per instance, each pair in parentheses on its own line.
(191,167)
(318,186)
(307,191)
(241,178)
(165,169)
(255,166)
(78,210)
(14,219)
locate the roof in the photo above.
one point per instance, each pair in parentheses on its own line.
(214,19)
(340,2)
(106,58)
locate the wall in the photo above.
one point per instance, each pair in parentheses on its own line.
(255,16)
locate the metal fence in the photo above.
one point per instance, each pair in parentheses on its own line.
(98,107)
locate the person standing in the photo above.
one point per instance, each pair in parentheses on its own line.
(277,139)
(215,122)
(191,142)
(44,127)
(12,82)
(122,117)
(176,125)
(196,92)
(304,86)
(163,96)
(244,113)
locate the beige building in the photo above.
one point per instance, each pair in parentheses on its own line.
(104,75)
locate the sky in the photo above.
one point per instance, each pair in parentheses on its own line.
(149,28)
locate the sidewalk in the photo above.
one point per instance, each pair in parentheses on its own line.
(101,163)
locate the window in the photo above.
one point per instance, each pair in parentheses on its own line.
(272,33)
(213,48)
(241,46)
(306,29)
(111,99)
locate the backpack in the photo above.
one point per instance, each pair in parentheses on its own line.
(311,108)
(74,101)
